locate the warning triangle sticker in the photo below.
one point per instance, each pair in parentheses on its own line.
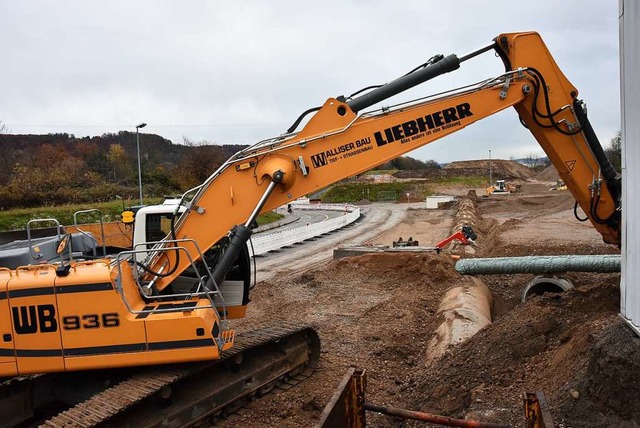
(570,164)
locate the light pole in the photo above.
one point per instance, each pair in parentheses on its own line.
(142,125)
(490,178)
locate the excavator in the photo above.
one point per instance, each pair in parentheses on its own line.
(501,187)
(170,302)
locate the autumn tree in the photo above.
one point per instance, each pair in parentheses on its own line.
(198,163)
(7,159)
(50,175)
(409,163)
(59,168)
(121,166)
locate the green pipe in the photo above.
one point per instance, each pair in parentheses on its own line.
(539,264)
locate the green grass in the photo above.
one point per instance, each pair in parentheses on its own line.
(357,191)
(18,218)
(471,181)
(268,217)
(353,192)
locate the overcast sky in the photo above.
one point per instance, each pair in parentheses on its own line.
(241,71)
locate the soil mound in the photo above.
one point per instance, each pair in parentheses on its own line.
(548,174)
(501,169)
(566,345)
(436,267)
(363,202)
(379,311)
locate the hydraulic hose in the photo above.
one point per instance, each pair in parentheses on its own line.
(608,171)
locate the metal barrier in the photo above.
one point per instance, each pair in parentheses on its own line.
(274,241)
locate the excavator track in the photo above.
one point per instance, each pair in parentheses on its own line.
(181,395)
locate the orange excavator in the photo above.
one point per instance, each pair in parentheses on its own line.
(171,301)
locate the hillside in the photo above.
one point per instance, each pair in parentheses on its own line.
(56,169)
(53,169)
(154,149)
(501,169)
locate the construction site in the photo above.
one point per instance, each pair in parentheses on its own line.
(379,312)
(483,293)
(382,312)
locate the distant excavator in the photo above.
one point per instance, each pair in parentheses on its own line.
(501,187)
(560,185)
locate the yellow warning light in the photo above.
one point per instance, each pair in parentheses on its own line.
(246,165)
(127,217)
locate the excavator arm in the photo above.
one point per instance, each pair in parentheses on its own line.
(558,120)
(341,140)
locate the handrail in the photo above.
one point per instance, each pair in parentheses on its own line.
(201,279)
(131,254)
(75,223)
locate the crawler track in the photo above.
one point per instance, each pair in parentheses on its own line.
(181,395)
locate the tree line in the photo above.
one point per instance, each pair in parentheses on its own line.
(54,169)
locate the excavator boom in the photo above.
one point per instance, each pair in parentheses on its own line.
(341,141)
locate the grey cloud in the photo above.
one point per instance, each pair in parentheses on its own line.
(247,69)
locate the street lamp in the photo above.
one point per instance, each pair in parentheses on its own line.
(142,125)
(490,178)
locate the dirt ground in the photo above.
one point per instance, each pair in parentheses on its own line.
(377,312)
(428,230)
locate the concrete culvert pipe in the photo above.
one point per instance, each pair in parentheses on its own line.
(544,284)
(465,309)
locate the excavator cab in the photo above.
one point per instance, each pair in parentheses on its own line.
(153,229)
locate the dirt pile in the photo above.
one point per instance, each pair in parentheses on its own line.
(501,169)
(378,312)
(401,267)
(559,344)
(571,346)
(363,202)
(377,178)
(549,174)
(373,311)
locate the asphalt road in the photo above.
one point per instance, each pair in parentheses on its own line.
(377,218)
(306,217)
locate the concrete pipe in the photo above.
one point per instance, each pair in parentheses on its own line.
(466,309)
(466,215)
(544,284)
